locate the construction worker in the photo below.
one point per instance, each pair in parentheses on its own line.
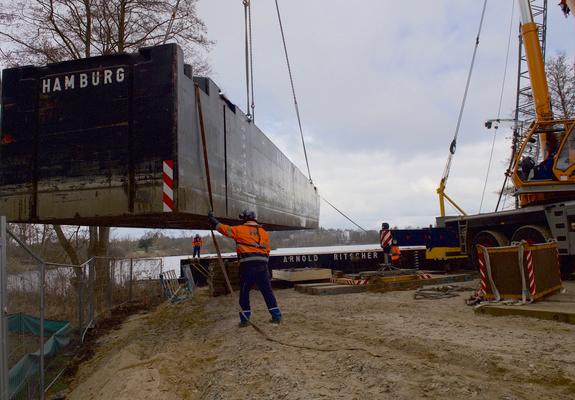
(197,243)
(253,249)
(395,252)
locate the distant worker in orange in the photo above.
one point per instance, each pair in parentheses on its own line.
(253,249)
(567,6)
(197,243)
(395,252)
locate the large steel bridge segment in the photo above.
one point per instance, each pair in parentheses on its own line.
(114,141)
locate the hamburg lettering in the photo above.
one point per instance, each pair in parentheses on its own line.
(81,80)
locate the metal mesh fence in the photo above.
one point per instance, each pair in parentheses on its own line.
(46,324)
(23,298)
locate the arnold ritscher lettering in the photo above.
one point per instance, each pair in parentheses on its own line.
(81,80)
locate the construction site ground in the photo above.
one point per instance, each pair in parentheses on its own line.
(361,346)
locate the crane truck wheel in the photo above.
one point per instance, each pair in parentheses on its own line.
(532,234)
(486,239)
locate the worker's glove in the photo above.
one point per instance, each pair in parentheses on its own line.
(213,221)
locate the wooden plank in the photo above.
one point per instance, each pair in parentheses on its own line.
(553,311)
(304,287)
(415,284)
(396,272)
(301,274)
(396,278)
(336,289)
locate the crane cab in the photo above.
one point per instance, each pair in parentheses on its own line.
(544,170)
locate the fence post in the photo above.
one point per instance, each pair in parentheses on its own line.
(91,300)
(131,279)
(3,313)
(111,265)
(42,317)
(81,300)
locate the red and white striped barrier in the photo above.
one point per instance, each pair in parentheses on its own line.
(483,290)
(385,238)
(168,178)
(531,272)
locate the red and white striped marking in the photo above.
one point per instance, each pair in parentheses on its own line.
(482,272)
(168,177)
(385,238)
(530,272)
(349,281)
(424,276)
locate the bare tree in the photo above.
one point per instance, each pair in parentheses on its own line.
(47,31)
(561,77)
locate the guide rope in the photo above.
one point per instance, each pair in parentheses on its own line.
(500,105)
(345,216)
(439,292)
(221,261)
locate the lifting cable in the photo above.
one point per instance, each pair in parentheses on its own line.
(250,108)
(293,89)
(296,106)
(221,261)
(500,104)
(345,216)
(453,145)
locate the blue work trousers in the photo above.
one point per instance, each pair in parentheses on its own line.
(196,251)
(258,273)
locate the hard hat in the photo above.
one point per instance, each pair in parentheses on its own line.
(247,215)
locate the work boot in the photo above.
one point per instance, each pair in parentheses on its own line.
(244,324)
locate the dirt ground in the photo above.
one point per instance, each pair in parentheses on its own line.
(412,349)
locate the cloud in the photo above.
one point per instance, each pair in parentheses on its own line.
(379,85)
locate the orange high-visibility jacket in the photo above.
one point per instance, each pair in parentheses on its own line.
(395,253)
(197,242)
(252,241)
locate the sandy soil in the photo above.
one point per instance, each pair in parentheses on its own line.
(415,349)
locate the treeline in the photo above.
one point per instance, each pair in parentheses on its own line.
(43,242)
(159,244)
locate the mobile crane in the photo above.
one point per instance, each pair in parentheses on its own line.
(543,174)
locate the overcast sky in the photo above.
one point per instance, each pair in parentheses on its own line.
(379,85)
